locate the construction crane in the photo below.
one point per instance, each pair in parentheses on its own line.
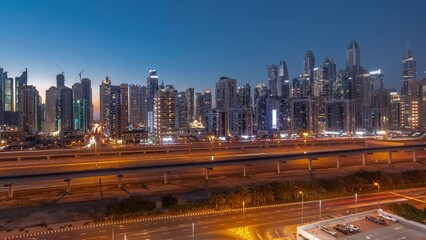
(60,69)
(80,74)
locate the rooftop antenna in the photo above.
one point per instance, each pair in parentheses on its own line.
(80,74)
(60,69)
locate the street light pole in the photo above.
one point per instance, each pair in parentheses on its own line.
(378,196)
(244,216)
(356,202)
(320,206)
(300,192)
(193,230)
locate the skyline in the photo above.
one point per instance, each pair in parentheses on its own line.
(236,44)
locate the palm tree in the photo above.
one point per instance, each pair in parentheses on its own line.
(217,199)
(245,194)
(233,198)
(266,192)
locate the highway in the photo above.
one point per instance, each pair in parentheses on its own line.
(263,221)
(234,161)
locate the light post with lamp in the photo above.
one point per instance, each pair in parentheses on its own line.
(300,192)
(378,192)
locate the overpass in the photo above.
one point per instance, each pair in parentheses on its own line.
(206,146)
(8,181)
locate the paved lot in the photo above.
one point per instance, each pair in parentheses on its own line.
(373,231)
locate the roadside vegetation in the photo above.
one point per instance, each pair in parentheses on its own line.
(360,182)
(409,212)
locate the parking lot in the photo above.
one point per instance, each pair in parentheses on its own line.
(369,230)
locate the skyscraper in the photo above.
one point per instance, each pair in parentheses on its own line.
(226,93)
(283,83)
(165,124)
(66,107)
(60,80)
(181,115)
(260,98)
(190,109)
(144,102)
(353,59)
(152,88)
(30,107)
(87,95)
(199,107)
(104,97)
(244,96)
(135,104)
(308,64)
(118,114)
(273,79)
(408,73)
(52,95)
(20,81)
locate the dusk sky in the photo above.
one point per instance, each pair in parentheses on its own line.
(194,43)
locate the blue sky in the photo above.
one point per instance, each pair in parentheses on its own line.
(193,43)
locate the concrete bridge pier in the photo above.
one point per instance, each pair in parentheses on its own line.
(68,184)
(207,174)
(338,162)
(10,190)
(165,178)
(120,183)
(310,164)
(278,167)
(389,157)
(414,156)
(364,159)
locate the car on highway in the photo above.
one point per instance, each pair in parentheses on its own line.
(329,231)
(388,217)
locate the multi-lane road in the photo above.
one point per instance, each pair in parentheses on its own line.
(260,222)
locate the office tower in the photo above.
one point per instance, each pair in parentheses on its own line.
(65,110)
(77,89)
(273,79)
(328,73)
(118,114)
(244,96)
(80,115)
(378,113)
(30,106)
(165,125)
(226,94)
(283,83)
(295,91)
(408,73)
(339,116)
(377,80)
(20,81)
(6,96)
(190,109)
(207,99)
(104,97)
(260,97)
(152,88)
(60,80)
(301,115)
(144,110)
(241,121)
(181,109)
(52,95)
(199,111)
(420,97)
(353,59)
(308,64)
(395,110)
(87,95)
(135,104)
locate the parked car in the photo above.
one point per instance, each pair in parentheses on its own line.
(329,231)
(388,217)
(381,221)
(342,229)
(353,227)
(348,229)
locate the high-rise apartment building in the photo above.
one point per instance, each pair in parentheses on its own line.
(190,108)
(165,125)
(181,109)
(119,109)
(66,110)
(283,83)
(273,79)
(30,109)
(52,95)
(152,88)
(135,99)
(105,104)
(353,59)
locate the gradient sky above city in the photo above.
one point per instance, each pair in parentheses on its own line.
(194,43)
